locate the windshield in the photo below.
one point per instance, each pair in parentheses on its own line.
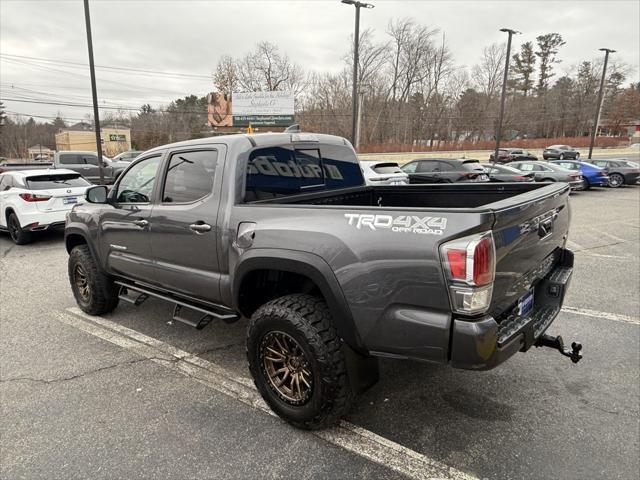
(61,180)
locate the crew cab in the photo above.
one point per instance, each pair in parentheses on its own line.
(281,228)
(84,163)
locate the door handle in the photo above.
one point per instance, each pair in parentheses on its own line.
(200,227)
(141,223)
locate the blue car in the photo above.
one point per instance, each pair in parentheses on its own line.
(593,176)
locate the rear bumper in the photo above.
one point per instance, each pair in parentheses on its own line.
(577,184)
(486,343)
(37,221)
(597,181)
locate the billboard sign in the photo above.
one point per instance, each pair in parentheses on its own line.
(251,108)
(262,108)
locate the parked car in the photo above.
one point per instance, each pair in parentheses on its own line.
(332,273)
(592,175)
(84,163)
(445,170)
(127,156)
(548,172)
(505,173)
(383,173)
(510,154)
(560,152)
(37,200)
(621,171)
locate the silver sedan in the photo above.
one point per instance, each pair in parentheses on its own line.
(549,172)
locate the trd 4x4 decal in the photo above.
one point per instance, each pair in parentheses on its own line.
(401,224)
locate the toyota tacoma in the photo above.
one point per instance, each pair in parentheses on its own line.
(332,274)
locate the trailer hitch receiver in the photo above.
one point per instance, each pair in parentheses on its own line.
(557,343)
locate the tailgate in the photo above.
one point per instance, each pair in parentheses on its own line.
(61,199)
(528,239)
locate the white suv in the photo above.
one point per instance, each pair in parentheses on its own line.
(36,200)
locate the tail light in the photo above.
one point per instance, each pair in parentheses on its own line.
(520,178)
(602,174)
(470,266)
(30,197)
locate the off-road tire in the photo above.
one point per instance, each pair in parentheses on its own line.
(308,320)
(103,292)
(18,235)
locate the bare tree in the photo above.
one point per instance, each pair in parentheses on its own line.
(487,75)
(225,78)
(266,68)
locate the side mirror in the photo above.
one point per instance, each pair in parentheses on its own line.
(97,194)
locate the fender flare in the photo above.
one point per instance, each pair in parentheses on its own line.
(82,231)
(311,266)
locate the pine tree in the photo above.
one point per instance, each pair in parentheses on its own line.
(523,68)
(548,46)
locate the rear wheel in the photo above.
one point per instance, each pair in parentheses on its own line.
(586,183)
(562,156)
(18,235)
(296,361)
(577,156)
(616,180)
(95,292)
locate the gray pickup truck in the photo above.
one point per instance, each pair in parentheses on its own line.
(281,229)
(85,163)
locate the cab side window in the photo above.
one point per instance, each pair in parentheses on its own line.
(137,183)
(410,167)
(189,176)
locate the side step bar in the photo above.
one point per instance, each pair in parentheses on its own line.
(209,314)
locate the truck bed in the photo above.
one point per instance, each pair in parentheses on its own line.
(463,196)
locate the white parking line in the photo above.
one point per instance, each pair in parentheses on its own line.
(608,316)
(346,435)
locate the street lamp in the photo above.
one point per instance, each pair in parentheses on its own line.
(596,119)
(504,90)
(356,39)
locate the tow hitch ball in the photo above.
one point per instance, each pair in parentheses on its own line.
(558,343)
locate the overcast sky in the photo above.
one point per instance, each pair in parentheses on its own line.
(189,37)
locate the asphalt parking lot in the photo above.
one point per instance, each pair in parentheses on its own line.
(128,395)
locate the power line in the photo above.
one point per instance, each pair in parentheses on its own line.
(107,67)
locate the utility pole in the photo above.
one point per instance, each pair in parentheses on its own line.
(504,91)
(596,117)
(94,92)
(359,117)
(356,41)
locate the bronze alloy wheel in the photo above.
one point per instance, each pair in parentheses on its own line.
(82,283)
(286,367)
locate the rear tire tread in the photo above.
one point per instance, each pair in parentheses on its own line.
(311,317)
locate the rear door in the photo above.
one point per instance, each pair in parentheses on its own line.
(183,225)
(124,224)
(426,172)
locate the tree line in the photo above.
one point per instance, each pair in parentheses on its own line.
(413,95)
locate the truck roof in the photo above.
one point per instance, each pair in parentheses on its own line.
(261,140)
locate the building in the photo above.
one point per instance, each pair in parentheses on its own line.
(82,137)
(39,151)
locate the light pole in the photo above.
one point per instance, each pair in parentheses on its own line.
(504,91)
(94,92)
(596,118)
(356,40)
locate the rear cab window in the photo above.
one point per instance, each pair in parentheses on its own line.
(52,181)
(275,172)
